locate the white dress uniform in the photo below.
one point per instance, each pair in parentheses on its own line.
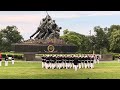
(79,62)
(50,63)
(67,63)
(98,59)
(60,63)
(64,63)
(119,59)
(94,59)
(54,64)
(12,60)
(43,62)
(6,61)
(82,62)
(85,64)
(57,62)
(0,61)
(88,63)
(92,63)
(71,63)
(75,64)
(47,63)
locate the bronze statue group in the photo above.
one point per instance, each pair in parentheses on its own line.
(69,61)
(6,59)
(47,29)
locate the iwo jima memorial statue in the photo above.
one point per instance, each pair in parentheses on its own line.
(47,40)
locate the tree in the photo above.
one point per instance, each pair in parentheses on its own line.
(115,41)
(92,44)
(71,37)
(101,38)
(85,46)
(8,36)
(74,38)
(65,31)
(111,29)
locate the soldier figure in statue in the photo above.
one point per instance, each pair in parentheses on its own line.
(40,30)
(54,31)
(47,28)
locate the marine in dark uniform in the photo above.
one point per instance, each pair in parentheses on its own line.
(57,62)
(71,62)
(92,62)
(0,59)
(95,58)
(43,61)
(88,61)
(6,60)
(64,61)
(98,59)
(13,59)
(47,62)
(50,61)
(54,62)
(67,62)
(60,62)
(80,62)
(118,59)
(85,58)
(75,63)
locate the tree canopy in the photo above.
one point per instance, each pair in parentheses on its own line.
(8,36)
(104,40)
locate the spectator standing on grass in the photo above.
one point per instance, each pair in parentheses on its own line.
(6,60)
(0,59)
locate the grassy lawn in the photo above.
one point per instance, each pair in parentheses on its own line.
(33,70)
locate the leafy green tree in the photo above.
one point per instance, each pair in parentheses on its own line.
(71,37)
(66,31)
(101,38)
(115,41)
(8,36)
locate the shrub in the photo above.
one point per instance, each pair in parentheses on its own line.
(15,56)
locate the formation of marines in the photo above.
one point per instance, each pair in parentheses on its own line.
(67,62)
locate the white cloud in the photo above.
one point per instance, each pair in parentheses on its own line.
(20,18)
(77,14)
(29,18)
(104,13)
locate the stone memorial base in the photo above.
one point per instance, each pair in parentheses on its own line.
(32,47)
(29,56)
(106,57)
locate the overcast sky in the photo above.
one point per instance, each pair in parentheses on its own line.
(78,21)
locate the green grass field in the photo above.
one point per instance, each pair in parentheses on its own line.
(33,70)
